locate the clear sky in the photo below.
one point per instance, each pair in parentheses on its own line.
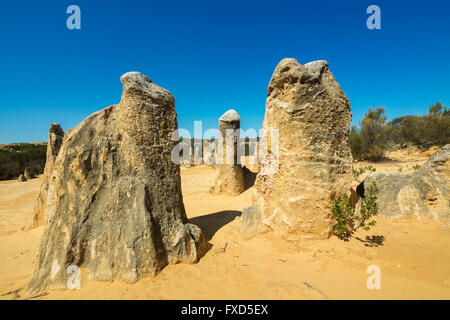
(213,56)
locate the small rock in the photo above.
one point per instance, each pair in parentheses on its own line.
(28,173)
(250,223)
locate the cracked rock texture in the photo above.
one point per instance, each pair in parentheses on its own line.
(114,203)
(312,115)
(422,195)
(55,140)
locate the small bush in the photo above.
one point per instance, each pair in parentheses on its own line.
(356,142)
(369,142)
(344,215)
(369,207)
(347,221)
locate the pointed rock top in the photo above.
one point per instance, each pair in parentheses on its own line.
(316,67)
(230,116)
(136,81)
(311,66)
(291,76)
(56,129)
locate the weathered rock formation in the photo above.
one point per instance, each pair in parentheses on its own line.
(422,195)
(229,174)
(312,115)
(190,152)
(55,140)
(209,152)
(21,178)
(197,152)
(115,205)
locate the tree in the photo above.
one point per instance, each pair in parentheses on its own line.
(430,129)
(373,130)
(369,142)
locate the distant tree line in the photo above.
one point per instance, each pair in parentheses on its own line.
(375,134)
(14,158)
(368,142)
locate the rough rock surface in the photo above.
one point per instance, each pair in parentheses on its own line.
(209,152)
(55,140)
(195,152)
(312,115)
(422,195)
(21,178)
(115,205)
(252,224)
(229,175)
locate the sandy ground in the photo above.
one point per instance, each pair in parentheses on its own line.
(414,257)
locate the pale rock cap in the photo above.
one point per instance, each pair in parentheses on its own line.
(230,116)
(137,81)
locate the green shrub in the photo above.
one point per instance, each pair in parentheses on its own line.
(344,215)
(369,207)
(347,221)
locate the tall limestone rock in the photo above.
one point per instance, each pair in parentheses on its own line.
(312,115)
(115,205)
(55,140)
(229,174)
(422,195)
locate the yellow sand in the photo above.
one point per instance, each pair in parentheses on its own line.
(414,257)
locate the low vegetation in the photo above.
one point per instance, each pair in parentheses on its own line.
(357,172)
(347,220)
(14,158)
(375,134)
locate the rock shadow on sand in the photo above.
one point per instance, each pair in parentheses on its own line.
(211,223)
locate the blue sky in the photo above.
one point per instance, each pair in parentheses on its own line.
(213,56)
